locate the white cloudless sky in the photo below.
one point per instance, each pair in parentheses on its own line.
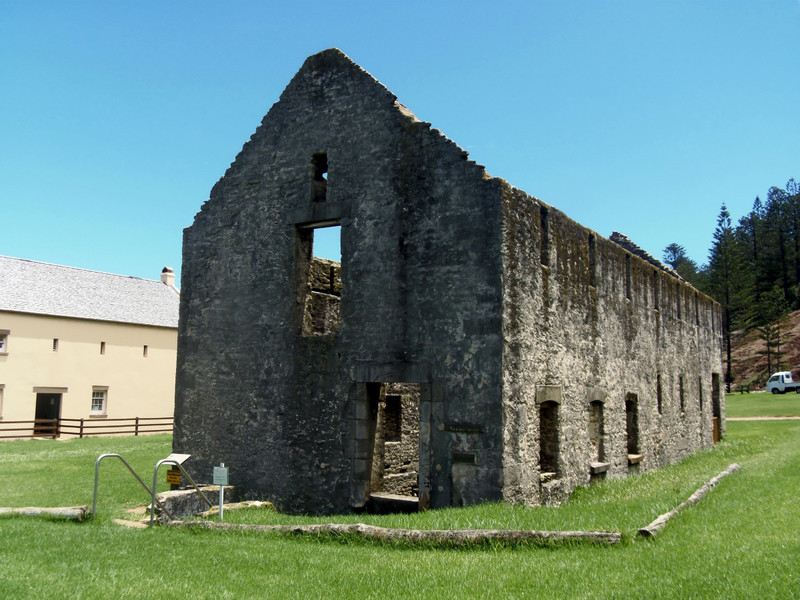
(116,118)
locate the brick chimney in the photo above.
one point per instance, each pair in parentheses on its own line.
(168,276)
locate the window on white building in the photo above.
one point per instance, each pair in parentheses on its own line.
(99,401)
(4,341)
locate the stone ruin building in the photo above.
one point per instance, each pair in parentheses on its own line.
(475,344)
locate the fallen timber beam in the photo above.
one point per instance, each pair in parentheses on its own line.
(455,537)
(653,528)
(73,513)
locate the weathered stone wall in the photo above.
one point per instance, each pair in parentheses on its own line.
(586,321)
(505,315)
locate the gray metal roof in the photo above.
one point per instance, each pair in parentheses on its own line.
(41,288)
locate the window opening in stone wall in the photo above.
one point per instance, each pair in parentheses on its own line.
(544,236)
(4,333)
(659,398)
(319,177)
(716,409)
(102,347)
(632,427)
(597,430)
(548,440)
(322,288)
(393,417)
(592,261)
(628,276)
(55,344)
(144,351)
(678,299)
(655,290)
(395,455)
(598,467)
(696,310)
(700,392)
(680,393)
(327,243)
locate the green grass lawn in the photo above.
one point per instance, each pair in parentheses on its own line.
(741,541)
(761,404)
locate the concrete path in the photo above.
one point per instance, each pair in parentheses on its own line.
(761,418)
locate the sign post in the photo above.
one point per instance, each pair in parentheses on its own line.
(221,479)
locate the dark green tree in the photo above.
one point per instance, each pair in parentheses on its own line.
(675,256)
(725,280)
(778,263)
(772,314)
(750,233)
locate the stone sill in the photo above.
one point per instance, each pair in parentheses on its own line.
(634,459)
(596,468)
(546,476)
(98,416)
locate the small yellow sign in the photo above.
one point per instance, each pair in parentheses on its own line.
(174,476)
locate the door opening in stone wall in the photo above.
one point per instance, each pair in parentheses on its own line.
(395,454)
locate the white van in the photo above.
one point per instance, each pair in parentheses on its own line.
(781,382)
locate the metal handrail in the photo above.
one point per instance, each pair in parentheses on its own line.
(167,461)
(153,493)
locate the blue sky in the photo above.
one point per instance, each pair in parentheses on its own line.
(116,118)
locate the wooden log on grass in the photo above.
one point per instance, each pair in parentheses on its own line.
(653,528)
(73,513)
(453,537)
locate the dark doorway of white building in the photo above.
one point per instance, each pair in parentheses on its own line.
(48,407)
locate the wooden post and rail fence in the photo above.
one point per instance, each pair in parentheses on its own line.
(53,428)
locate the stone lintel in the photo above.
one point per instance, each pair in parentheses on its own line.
(320,214)
(548,393)
(597,394)
(395,372)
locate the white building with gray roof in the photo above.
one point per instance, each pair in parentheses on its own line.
(84,348)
